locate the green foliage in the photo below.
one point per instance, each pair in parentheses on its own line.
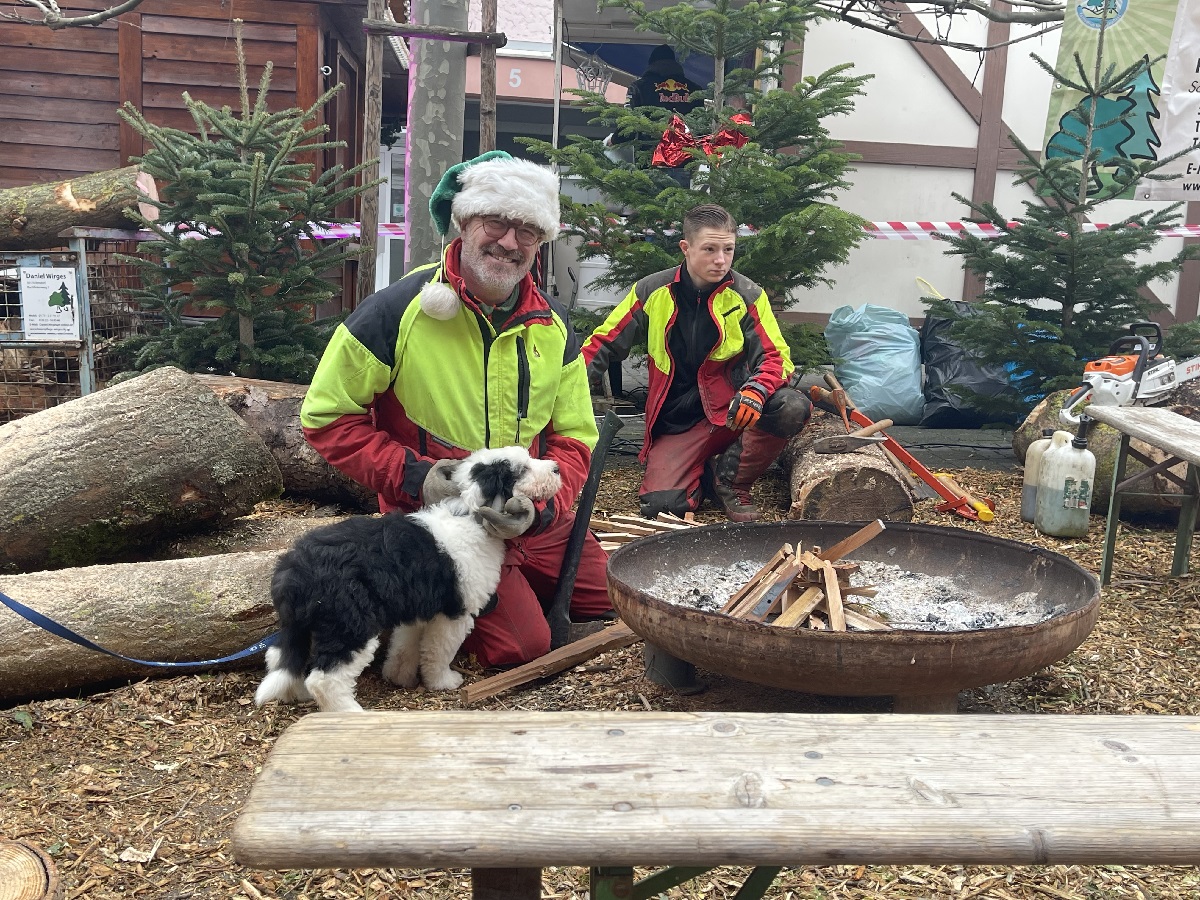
(1182,341)
(234,238)
(788,199)
(1055,293)
(808,346)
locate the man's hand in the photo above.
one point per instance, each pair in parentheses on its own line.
(514,521)
(745,410)
(438,485)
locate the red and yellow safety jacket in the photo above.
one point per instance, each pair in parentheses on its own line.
(750,350)
(396,389)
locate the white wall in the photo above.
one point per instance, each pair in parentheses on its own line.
(905,103)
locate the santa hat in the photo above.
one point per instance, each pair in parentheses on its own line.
(492,184)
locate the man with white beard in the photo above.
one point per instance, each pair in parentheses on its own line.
(464,354)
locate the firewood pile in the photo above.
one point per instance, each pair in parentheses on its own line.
(614,531)
(800,588)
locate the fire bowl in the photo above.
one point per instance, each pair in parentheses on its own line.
(922,670)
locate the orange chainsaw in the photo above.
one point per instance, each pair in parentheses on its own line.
(1123,378)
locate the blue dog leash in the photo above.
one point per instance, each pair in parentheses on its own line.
(67,634)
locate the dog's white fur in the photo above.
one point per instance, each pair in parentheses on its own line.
(331,621)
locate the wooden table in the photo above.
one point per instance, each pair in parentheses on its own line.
(507,793)
(1176,435)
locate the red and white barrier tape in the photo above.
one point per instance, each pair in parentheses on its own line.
(928,231)
(888,231)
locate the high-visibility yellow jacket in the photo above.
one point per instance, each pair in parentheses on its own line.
(750,350)
(396,389)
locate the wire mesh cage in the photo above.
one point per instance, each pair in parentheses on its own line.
(38,374)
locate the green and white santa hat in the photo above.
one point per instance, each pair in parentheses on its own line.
(491,184)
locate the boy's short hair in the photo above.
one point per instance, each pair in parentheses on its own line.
(708,215)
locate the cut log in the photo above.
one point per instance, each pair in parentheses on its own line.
(32,216)
(111,473)
(27,873)
(272,409)
(844,487)
(1147,504)
(174,610)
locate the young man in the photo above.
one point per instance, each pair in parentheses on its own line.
(463,354)
(718,402)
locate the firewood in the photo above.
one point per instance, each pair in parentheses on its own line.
(773,563)
(852,543)
(616,537)
(768,590)
(653,524)
(864,622)
(786,570)
(816,623)
(611,638)
(600,524)
(800,608)
(833,599)
(864,591)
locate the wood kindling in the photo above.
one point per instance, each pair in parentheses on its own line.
(761,575)
(795,585)
(852,543)
(617,530)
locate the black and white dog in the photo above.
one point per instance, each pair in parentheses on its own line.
(425,575)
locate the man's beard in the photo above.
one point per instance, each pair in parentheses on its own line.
(491,273)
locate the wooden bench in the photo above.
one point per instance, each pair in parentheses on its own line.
(1176,435)
(507,793)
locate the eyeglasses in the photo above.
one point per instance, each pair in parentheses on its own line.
(496,228)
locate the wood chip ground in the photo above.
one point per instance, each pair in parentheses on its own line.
(132,791)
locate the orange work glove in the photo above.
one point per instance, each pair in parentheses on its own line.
(745,410)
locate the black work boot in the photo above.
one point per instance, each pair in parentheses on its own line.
(736,500)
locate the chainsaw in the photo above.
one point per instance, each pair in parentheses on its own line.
(1123,378)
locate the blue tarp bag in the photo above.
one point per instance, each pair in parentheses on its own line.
(877,357)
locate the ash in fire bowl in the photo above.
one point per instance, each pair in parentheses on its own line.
(903,599)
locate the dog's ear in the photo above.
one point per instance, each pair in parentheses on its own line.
(495,481)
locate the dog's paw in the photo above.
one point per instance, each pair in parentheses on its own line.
(448,680)
(404,678)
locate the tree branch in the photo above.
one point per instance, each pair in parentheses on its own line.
(53,18)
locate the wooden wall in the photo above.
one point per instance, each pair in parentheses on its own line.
(60,90)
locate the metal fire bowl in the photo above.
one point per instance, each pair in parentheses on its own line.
(923,670)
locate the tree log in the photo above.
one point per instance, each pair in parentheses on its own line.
(272,409)
(115,471)
(1104,442)
(181,610)
(845,487)
(31,217)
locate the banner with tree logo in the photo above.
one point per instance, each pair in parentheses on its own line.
(1128,123)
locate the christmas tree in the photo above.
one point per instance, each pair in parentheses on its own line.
(1056,291)
(237,212)
(781,181)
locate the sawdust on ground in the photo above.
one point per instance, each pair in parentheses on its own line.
(133,790)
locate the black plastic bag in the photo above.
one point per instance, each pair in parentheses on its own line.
(947,363)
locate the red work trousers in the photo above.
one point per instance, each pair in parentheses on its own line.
(516,631)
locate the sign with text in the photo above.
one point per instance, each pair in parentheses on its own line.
(50,310)
(1179,128)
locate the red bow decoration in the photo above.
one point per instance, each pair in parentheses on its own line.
(672,149)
